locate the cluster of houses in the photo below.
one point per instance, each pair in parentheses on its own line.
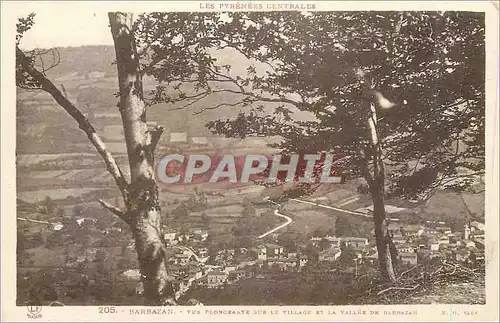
(436,240)
(172,237)
(413,243)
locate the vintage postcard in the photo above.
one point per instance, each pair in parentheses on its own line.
(249,161)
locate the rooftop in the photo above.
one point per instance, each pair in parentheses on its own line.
(216,273)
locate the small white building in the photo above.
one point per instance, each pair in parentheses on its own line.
(262,253)
(170,237)
(444,240)
(433,245)
(216,278)
(475,225)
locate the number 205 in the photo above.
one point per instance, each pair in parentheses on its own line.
(107,310)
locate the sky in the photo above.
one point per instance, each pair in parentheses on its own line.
(61,28)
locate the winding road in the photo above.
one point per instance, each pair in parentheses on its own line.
(289,220)
(281,226)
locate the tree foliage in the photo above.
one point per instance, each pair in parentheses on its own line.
(429,64)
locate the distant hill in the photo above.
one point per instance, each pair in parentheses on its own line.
(89,78)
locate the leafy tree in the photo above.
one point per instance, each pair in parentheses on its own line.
(50,205)
(342,227)
(60,213)
(319,232)
(311,253)
(288,241)
(396,97)
(123,264)
(78,210)
(100,256)
(347,256)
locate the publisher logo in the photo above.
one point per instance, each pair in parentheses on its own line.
(34,311)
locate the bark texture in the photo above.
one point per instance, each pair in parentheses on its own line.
(376,182)
(143,208)
(140,195)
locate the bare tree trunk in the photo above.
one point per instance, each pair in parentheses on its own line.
(141,194)
(376,183)
(143,208)
(382,238)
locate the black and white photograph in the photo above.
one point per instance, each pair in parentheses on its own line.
(251,154)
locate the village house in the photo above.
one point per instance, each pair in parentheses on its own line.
(412,230)
(405,248)
(395,229)
(360,252)
(433,244)
(408,258)
(399,239)
(477,234)
(216,278)
(466,243)
(333,242)
(291,262)
(236,275)
(430,230)
(443,240)
(443,229)
(478,255)
(280,265)
(475,226)
(273,250)
(330,255)
(372,257)
(354,242)
(183,259)
(202,252)
(199,235)
(262,252)
(169,237)
(303,260)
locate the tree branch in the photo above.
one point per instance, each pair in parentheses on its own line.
(82,121)
(155,136)
(115,210)
(218,106)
